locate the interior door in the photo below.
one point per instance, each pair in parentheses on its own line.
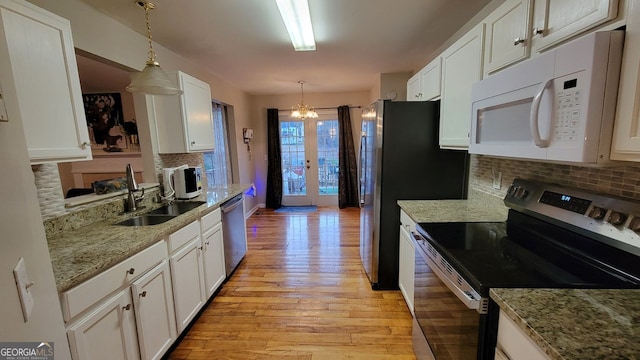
(310,160)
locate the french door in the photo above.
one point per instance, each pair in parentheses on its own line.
(309,160)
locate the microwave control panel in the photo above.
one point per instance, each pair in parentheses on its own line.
(567,107)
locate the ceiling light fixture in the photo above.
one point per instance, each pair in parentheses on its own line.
(296,17)
(152,79)
(302,111)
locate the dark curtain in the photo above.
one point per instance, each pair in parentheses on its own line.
(348,166)
(274,165)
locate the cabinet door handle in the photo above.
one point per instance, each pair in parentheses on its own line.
(517,41)
(84,145)
(193,143)
(144,294)
(537,31)
(206,242)
(131,271)
(128,307)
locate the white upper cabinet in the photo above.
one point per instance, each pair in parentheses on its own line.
(507,35)
(414,88)
(425,84)
(40,84)
(430,79)
(461,67)
(626,132)
(184,123)
(554,20)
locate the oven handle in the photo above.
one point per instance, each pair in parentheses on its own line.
(469,301)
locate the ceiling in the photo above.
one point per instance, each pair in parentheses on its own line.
(245,43)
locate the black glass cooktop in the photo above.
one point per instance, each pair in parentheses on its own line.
(528,252)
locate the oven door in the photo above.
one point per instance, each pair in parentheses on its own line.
(449,320)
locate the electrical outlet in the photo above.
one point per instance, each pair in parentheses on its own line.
(24,284)
(497,181)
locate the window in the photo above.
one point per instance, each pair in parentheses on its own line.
(217,163)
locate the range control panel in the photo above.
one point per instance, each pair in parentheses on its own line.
(615,218)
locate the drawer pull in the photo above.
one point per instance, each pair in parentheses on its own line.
(206,243)
(128,307)
(131,271)
(144,294)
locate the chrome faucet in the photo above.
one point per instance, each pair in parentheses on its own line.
(132,187)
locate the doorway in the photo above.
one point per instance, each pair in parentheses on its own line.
(310,166)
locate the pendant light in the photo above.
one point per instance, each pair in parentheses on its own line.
(302,111)
(152,79)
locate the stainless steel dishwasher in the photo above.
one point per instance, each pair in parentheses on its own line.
(234,232)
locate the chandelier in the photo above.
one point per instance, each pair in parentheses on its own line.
(152,79)
(302,111)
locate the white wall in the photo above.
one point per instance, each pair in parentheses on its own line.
(23,236)
(102,36)
(260,104)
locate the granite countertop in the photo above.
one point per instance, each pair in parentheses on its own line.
(576,323)
(474,209)
(79,254)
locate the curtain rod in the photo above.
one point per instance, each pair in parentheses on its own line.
(326,108)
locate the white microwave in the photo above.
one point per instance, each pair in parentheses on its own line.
(557,107)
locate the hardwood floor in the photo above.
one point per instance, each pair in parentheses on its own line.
(301,293)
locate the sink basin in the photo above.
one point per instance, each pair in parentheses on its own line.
(145,220)
(176,208)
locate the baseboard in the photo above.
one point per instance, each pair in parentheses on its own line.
(253,210)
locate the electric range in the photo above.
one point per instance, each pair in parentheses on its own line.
(554,237)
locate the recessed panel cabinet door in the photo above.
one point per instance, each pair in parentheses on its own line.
(213,259)
(555,21)
(198,113)
(188,283)
(506,37)
(108,333)
(414,88)
(461,67)
(155,315)
(40,83)
(626,132)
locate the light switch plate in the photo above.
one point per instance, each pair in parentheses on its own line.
(23,283)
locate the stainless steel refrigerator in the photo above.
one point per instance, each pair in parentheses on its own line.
(400,159)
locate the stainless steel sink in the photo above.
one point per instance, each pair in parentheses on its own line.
(145,220)
(177,208)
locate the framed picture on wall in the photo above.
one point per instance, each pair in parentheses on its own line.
(105,119)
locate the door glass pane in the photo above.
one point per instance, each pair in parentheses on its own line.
(293,158)
(327,136)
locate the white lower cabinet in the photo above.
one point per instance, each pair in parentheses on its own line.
(514,344)
(407,266)
(137,308)
(109,318)
(188,282)
(406,259)
(153,305)
(108,332)
(212,252)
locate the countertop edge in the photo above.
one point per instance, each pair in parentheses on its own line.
(547,348)
(67,282)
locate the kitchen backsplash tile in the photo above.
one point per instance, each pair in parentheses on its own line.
(49,190)
(622,180)
(51,195)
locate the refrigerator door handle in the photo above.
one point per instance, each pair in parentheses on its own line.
(362,169)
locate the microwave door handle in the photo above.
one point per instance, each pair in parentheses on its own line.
(534,119)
